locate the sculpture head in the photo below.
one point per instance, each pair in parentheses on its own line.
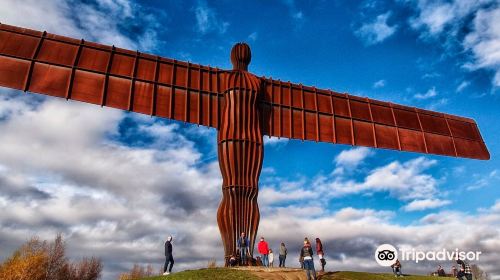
(241,56)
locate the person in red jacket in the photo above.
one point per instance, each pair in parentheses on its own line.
(321,254)
(264,251)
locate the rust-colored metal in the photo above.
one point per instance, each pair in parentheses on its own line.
(240,105)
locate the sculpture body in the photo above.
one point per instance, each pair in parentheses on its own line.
(241,151)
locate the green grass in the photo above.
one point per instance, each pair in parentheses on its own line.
(350,275)
(223,274)
(209,273)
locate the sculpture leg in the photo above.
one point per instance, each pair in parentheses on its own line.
(240,162)
(238,212)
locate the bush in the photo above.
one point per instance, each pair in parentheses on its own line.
(137,272)
(212,263)
(41,260)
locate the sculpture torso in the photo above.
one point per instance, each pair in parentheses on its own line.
(239,136)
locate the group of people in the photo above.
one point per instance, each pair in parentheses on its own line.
(464,273)
(267,255)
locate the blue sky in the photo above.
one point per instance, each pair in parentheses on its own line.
(439,55)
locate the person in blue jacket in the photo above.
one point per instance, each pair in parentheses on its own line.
(243,245)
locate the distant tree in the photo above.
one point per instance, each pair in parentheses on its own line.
(41,260)
(28,262)
(478,273)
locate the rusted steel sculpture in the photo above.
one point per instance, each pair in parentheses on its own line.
(240,105)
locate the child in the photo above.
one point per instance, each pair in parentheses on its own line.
(271,258)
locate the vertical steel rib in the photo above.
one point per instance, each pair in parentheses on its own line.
(27,82)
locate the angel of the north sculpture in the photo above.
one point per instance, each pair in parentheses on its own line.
(241,106)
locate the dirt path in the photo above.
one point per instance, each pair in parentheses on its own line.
(277,273)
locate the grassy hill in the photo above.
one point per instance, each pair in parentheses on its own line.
(224,273)
(209,273)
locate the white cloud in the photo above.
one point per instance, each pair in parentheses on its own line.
(405,181)
(353,157)
(379,84)
(482,181)
(207,20)
(275,141)
(429,94)
(462,86)
(484,42)
(445,20)
(269,196)
(433,16)
(99,21)
(358,232)
(424,204)
(376,31)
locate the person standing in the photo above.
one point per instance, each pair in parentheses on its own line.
(465,272)
(321,254)
(243,245)
(283,252)
(169,258)
(396,268)
(271,258)
(307,255)
(263,248)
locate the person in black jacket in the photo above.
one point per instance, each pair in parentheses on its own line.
(306,254)
(168,256)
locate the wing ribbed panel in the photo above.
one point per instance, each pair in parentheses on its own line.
(108,76)
(306,113)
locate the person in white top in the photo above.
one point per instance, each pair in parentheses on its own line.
(271,258)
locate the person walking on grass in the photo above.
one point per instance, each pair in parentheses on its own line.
(306,253)
(321,254)
(263,248)
(283,252)
(169,258)
(243,245)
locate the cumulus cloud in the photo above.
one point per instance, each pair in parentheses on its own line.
(351,235)
(446,19)
(353,157)
(376,31)
(484,42)
(65,169)
(99,21)
(424,204)
(405,181)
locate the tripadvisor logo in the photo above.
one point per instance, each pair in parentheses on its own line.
(386,255)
